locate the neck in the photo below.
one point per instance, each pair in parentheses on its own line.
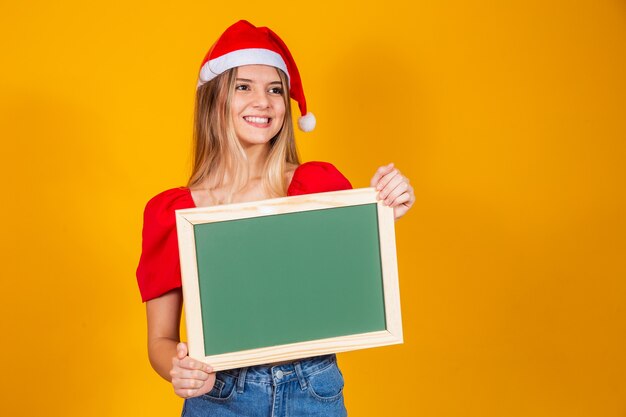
(257,155)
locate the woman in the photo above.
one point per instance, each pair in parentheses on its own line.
(244,150)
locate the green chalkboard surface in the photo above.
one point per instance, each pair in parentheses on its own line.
(287,278)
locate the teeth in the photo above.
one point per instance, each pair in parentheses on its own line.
(251,119)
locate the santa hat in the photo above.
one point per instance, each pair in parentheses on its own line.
(245,44)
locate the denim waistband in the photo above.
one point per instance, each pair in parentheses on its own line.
(278,374)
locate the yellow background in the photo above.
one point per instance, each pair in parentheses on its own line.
(508,117)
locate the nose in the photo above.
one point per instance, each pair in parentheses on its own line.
(260,99)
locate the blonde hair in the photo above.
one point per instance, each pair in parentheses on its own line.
(217,154)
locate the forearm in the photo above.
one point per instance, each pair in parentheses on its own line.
(161,351)
(163,315)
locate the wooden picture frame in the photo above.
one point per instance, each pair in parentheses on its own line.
(334,218)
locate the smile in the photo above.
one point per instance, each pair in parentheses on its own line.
(258,121)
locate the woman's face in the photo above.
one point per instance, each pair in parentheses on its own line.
(257,106)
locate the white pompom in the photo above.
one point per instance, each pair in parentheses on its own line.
(307,122)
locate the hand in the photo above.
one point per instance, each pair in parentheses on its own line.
(190,378)
(394,189)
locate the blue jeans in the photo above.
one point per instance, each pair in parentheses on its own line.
(307,387)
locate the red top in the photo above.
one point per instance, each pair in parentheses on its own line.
(159,267)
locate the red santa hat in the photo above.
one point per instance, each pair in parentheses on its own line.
(245,44)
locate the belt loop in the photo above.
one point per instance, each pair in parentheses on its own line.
(241,379)
(301,379)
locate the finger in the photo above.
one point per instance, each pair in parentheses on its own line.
(393,183)
(182,373)
(182,384)
(186,388)
(400,190)
(385,172)
(411,196)
(185,393)
(385,179)
(181,350)
(404,206)
(380,172)
(402,199)
(189,363)
(184,361)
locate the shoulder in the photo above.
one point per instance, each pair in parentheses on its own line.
(169,200)
(317,177)
(160,209)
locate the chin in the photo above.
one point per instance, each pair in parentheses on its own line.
(254,141)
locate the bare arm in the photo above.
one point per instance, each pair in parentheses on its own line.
(168,357)
(163,315)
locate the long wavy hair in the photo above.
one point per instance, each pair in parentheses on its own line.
(218,157)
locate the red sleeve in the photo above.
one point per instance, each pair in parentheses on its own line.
(317,177)
(159,266)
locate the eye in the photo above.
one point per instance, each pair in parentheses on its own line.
(276,90)
(242,87)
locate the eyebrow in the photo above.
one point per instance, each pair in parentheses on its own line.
(250,81)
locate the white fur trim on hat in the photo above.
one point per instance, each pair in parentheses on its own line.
(252,56)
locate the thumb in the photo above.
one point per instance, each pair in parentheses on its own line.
(181,350)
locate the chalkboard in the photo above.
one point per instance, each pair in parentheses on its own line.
(288,278)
